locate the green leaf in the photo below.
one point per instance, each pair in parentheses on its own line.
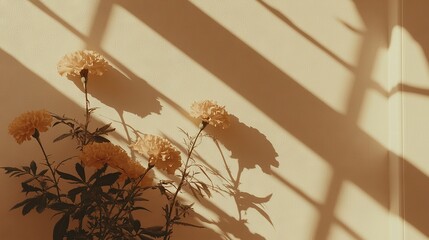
(30,205)
(22,203)
(98,173)
(80,171)
(154,231)
(100,139)
(60,206)
(60,228)
(42,173)
(12,170)
(75,191)
(62,136)
(144,237)
(33,167)
(29,188)
(41,206)
(107,179)
(136,225)
(188,224)
(67,176)
(26,169)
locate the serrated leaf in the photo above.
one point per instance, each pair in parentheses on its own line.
(68,176)
(107,179)
(80,171)
(60,228)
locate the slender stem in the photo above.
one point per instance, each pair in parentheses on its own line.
(168,223)
(133,189)
(84,78)
(50,167)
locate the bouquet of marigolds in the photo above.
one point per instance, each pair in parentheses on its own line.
(99,197)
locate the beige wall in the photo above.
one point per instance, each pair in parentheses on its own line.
(325,124)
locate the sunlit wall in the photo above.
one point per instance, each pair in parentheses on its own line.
(307,83)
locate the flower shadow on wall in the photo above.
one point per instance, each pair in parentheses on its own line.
(123,94)
(251,149)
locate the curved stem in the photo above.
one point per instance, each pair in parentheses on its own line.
(50,167)
(168,224)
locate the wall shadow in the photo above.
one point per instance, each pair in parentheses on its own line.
(23,90)
(123,94)
(353,154)
(335,137)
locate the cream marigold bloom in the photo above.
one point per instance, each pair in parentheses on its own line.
(211,113)
(159,151)
(24,126)
(98,154)
(134,169)
(71,64)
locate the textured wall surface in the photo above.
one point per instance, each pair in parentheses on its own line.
(307,82)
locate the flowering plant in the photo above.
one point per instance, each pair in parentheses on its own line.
(98,198)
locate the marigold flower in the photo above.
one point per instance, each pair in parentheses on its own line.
(211,113)
(24,126)
(71,64)
(98,154)
(134,169)
(159,151)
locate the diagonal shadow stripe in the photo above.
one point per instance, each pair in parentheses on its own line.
(272,91)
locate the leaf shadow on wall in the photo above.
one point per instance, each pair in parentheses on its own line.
(123,94)
(350,151)
(251,149)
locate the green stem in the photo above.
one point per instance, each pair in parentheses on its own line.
(49,166)
(168,224)
(133,189)
(84,76)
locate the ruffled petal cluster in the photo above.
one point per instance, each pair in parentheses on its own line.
(71,64)
(98,154)
(211,113)
(24,126)
(159,151)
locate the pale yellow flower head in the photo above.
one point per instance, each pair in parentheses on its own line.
(134,169)
(211,113)
(159,151)
(24,126)
(71,64)
(98,154)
